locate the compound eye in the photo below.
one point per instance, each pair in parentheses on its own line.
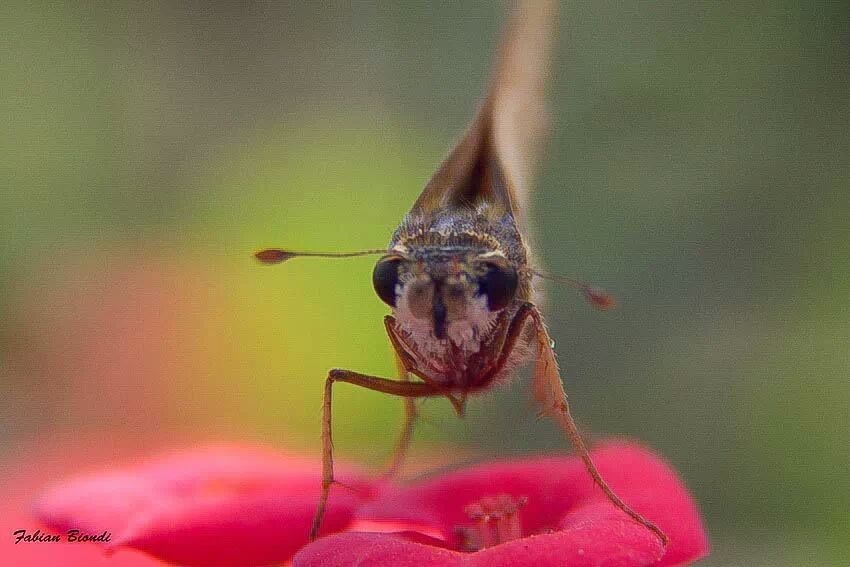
(499,284)
(385,278)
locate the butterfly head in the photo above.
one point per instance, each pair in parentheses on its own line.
(449,292)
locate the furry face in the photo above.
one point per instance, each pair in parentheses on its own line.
(444,295)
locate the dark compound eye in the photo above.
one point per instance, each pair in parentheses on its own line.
(499,284)
(385,279)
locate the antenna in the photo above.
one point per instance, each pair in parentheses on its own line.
(596,296)
(277,256)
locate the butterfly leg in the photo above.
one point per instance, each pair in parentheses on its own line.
(409,361)
(404,389)
(549,391)
(404,362)
(410,415)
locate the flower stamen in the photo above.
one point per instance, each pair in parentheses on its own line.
(496,520)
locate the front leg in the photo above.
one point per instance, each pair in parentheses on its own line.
(396,388)
(549,391)
(414,363)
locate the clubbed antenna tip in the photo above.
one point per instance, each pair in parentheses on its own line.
(273,256)
(599,298)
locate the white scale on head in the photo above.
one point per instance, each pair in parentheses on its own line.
(466,333)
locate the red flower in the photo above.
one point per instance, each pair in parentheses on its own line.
(240,507)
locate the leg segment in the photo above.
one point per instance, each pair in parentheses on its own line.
(410,414)
(549,391)
(405,389)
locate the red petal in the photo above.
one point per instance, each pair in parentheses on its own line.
(561,497)
(22,475)
(226,506)
(613,542)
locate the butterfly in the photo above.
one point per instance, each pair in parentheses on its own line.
(458,272)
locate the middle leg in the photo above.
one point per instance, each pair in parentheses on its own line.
(410,415)
(404,389)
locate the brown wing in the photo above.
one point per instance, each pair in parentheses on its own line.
(494,159)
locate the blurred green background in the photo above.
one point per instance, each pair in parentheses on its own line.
(698,169)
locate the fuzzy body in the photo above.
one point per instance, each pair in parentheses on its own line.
(461,241)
